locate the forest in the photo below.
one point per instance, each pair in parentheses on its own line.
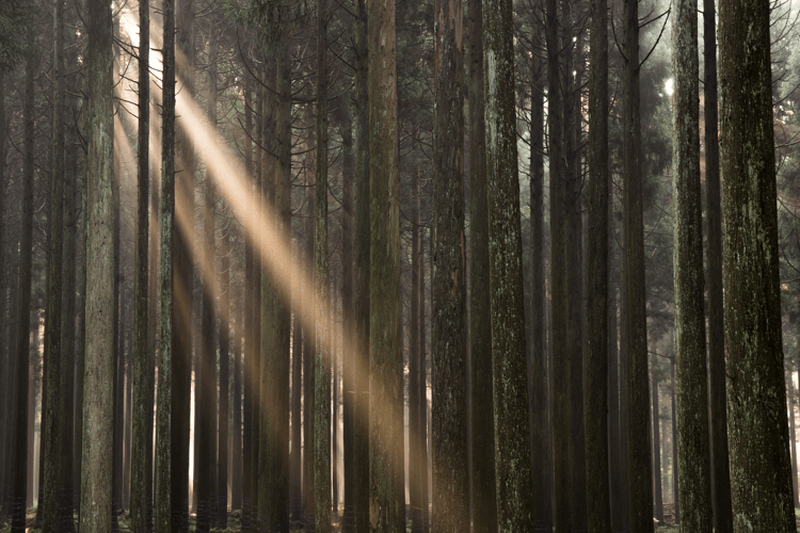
(424,266)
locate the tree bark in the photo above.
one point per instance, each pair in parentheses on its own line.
(449,349)
(720,471)
(655,440)
(792,435)
(510,395)
(386,358)
(415,456)
(97,443)
(690,328)
(484,491)
(640,478)
(596,404)
(759,453)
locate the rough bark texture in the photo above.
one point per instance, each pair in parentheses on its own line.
(761,488)
(387,498)
(449,348)
(141,490)
(163,460)
(512,454)
(596,404)
(640,477)
(53,439)
(20,439)
(323,352)
(720,471)
(484,508)
(97,413)
(560,383)
(539,416)
(690,326)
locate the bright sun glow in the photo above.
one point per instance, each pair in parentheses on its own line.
(669,87)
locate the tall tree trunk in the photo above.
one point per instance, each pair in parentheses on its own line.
(675,466)
(640,478)
(21,441)
(720,471)
(759,453)
(597,367)
(164,474)
(792,435)
(415,456)
(308,373)
(53,436)
(6,350)
(449,348)
(361,259)
(513,466)
(558,283)
(386,358)
(141,490)
(423,378)
(323,353)
(483,480)
(658,501)
(690,328)
(97,443)
(224,376)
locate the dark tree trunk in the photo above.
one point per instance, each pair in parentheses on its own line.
(720,471)
(640,478)
(658,502)
(415,456)
(792,435)
(759,453)
(510,395)
(448,341)
(597,368)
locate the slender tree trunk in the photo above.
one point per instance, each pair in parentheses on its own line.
(224,376)
(597,367)
(423,379)
(141,490)
(675,466)
(97,443)
(249,342)
(308,375)
(415,456)
(323,353)
(21,441)
(361,296)
(690,328)
(6,350)
(386,358)
(483,480)
(449,349)
(640,478)
(792,435)
(163,457)
(558,282)
(513,466)
(759,455)
(658,502)
(53,436)
(720,472)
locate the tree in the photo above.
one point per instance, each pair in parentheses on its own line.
(53,440)
(640,479)
(143,358)
(97,444)
(483,480)
(163,461)
(720,473)
(761,489)
(449,349)
(386,362)
(690,328)
(513,465)
(597,368)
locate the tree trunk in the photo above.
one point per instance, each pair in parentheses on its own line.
(675,466)
(386,358)
(483,480)
(720,471)
(792,435)
(361,259)
(141,490)
(163,457)
(449,349)
(658,501)
(415,456)
(323,352)
(640,478)
(690,328)
(97,441)
(759,453)
(597,368)
(513,466)
(53,437)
